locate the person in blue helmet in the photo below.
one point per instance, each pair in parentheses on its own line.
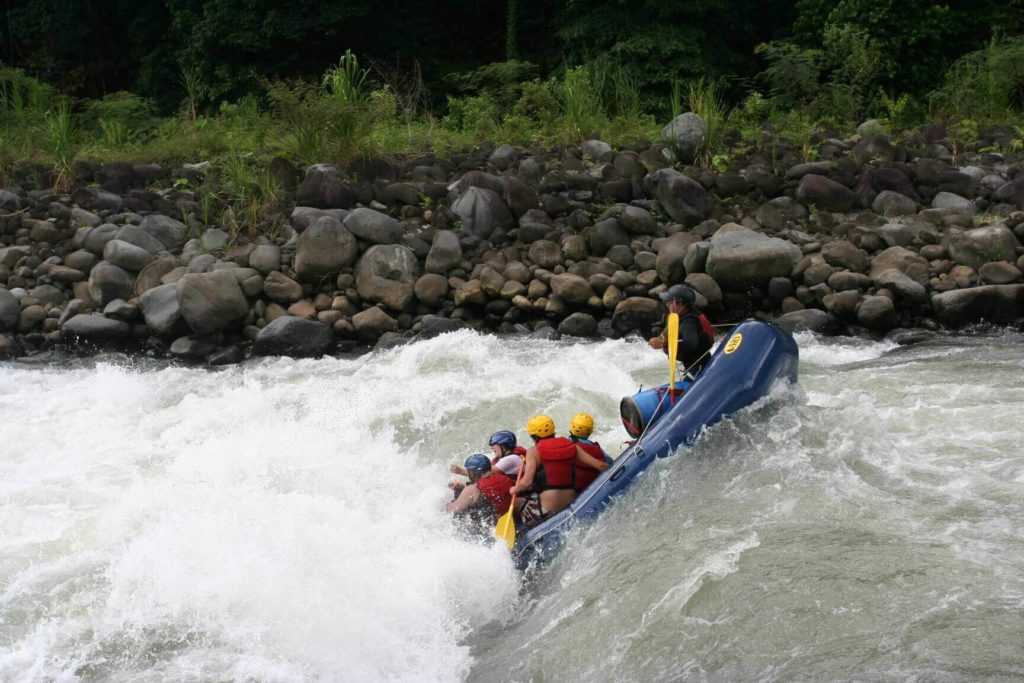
(507,454)
(487,495)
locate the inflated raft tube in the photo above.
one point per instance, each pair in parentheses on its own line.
(742,370)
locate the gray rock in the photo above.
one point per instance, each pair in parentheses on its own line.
(1010,192)
(896,234)
(127,255)
(445,252)
(504,157)
(153,274)
(824,193)
(215,239)
(169,232)
(871,128)
(906,289)
(1000,304)
(10,311)
(604,235)
(999,273)
(877,313)
(696,257)
(706,287)
(434,325)
(431,289)
(636,313)
(807,320)
(265,258)
(162,311)
(545,253)
(685,200)
(889,203)
(740,258)
(322,189)
(387,274)
(373,226)
(96,238)
(134,234)
(978,246)
(671,261)
(481,211)
(108,282)
(304,216)
(95,327)
(80,216)
(686,132)
(780,212)
(578,325)
(844,254)
(192,349)
(598,150)
(573,289)
(326,248)
(370,324)
(291,336)
(955,203)
(95,199)
(903,260)
(211,302)
(281,288)
(637,221)
(202,263)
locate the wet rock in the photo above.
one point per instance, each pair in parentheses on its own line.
(431,289)
(373,226)
(211,302)
(991,303)
(685,200)
(740,258)
(578,325)
(434,325)
(108,282)
(807,320)
(324,249)
(289,336)
(572,289)
(877,313)
(387,274)
(192,349)
(372,323)
(95,327)
(445,252)
(162,311)
(636,314)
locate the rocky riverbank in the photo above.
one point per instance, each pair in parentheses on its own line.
(873,234)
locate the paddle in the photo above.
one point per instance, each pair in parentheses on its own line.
(506,528)
(673,348)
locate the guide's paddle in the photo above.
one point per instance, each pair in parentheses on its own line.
(506,528)
(673,348)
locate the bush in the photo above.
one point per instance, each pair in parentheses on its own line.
(984,85)
(120,118)
(477,114)
(792,76)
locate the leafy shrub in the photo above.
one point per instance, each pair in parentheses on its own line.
(477,114)
(792,75)
(984,85)
(120,118)
(502,82)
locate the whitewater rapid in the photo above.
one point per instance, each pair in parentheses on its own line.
(281,521)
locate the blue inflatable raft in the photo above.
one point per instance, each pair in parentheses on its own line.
(742,370)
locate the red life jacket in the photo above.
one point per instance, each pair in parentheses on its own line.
(705,327)
(495,488)
(557,455)
(585,473)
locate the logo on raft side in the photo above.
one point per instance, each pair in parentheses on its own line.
(733,343)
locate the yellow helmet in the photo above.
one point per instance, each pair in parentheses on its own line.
(582,425)
(540,426)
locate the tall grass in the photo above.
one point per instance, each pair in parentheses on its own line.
(60,141)
(984,85)
(580,104)
(706,100)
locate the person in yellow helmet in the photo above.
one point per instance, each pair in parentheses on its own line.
(580,429)
(557,457)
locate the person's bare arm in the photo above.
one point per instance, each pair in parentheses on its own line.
(466,499)
(529,472)
(589,460)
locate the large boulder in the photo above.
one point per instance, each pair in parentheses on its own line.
(637,313)
(979,246)
(741,258)
(685,133)
(281,288)
(606,234)
(387,273)
(954,203)
(637,221)
(95,327)
(907,262)
(1011,192)
(134,234)
(684,199)
(670,263)
(431,289)
(108,282)
(877,313)
(211,302)
(291,336)
(370,324)
(572,289)
(168,231)
(445,252)
(578,325)
(906,290)
(161,310)
(545,253)
(824,193)
(323,189)
(780,212)
(10,311)
(1000,304)
(324,249)
(373,226)
(481,211)
(807,320)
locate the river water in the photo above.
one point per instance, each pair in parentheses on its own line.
(280,521)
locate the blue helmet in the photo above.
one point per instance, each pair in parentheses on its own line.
(478,463)
(503,438)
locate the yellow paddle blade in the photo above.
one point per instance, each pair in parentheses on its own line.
(506,528)
(673,348)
